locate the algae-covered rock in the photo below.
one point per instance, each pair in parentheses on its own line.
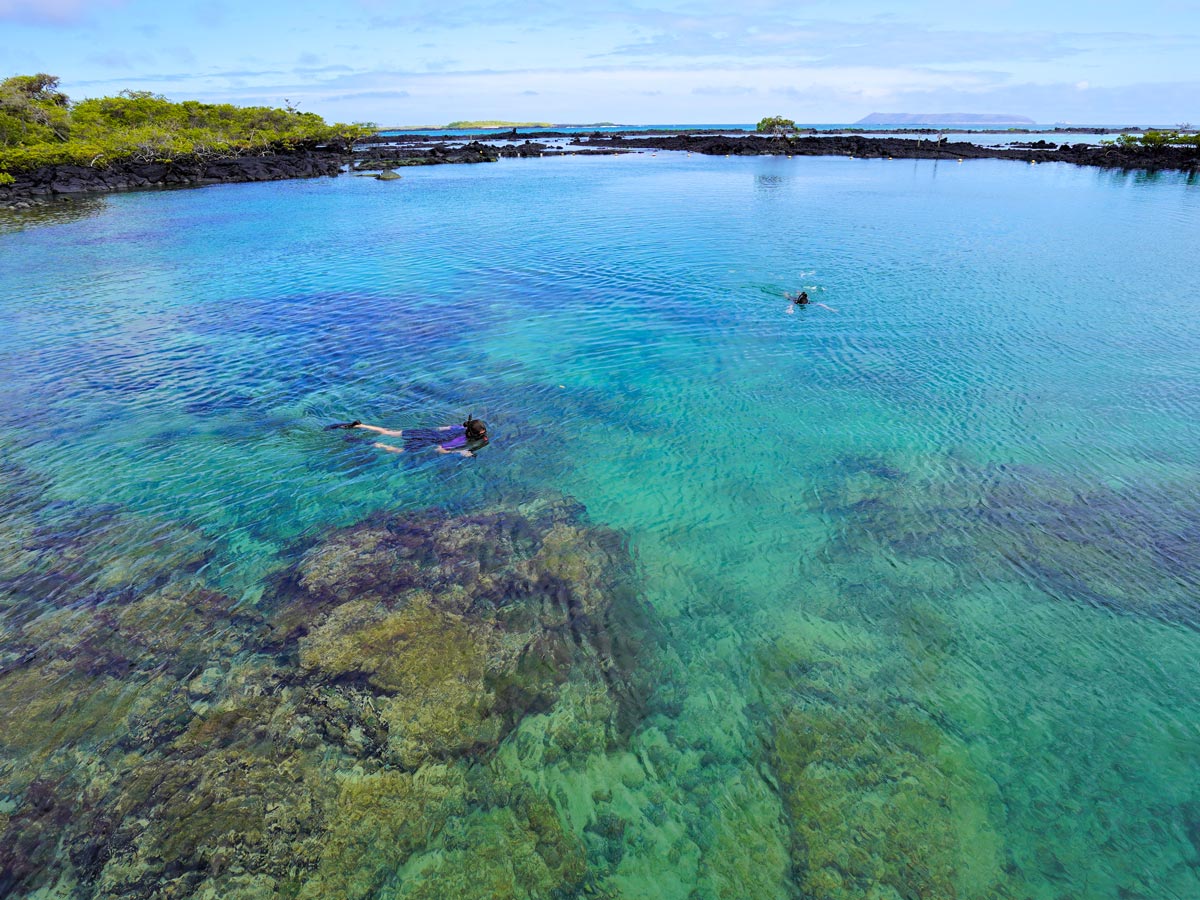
(233,794)
(745,843)
(332,741)
(517,850)
(460,617)
(432,664)
(378,821)
(882,800)
(874,806)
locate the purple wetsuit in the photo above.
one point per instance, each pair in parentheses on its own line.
(423,438)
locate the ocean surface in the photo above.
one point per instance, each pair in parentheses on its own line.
(893,596)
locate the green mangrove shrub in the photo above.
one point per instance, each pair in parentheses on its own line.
(40,125)
(776,126)
(1156,140)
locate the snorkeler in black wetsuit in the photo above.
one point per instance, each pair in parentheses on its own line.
(801,299)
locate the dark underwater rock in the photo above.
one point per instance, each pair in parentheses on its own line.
(1133,550)
(63,554)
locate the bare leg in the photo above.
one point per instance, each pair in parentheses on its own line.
(379,430)
(388,447)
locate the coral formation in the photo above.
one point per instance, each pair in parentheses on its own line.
(332,740)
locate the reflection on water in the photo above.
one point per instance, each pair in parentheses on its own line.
(59,212)
(894,602)
(767,183)
(1149,176)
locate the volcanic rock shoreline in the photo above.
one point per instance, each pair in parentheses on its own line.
(1104,156)
(382,153)
(67,182)
(426,149)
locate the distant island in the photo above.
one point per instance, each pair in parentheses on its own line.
(497,123)
(877,118)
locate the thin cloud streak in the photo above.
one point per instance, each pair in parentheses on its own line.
(52,12)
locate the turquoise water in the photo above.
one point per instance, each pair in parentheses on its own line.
(920,565)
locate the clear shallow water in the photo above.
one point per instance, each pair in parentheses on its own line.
(922,568)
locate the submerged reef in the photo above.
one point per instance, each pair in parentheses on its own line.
(883,799)
(1131,550)
(963,636)
(446,703)
(340,738)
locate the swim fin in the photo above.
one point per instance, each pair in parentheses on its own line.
(353,424)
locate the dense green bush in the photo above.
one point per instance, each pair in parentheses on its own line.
(1154,140)
(40,126)
(776,125)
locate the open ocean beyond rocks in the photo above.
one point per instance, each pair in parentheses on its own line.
(895,597)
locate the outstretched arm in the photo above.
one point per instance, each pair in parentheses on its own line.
(379,430)
(459,452)
(388,447)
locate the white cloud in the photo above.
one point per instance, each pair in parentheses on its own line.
(51,12)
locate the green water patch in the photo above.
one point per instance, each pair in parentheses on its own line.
(976,691)
(883,799)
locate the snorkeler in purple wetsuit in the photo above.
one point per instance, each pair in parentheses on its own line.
(462,439)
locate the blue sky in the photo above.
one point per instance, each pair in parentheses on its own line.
(628,61)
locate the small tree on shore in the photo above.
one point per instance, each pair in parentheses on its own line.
(776,126)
